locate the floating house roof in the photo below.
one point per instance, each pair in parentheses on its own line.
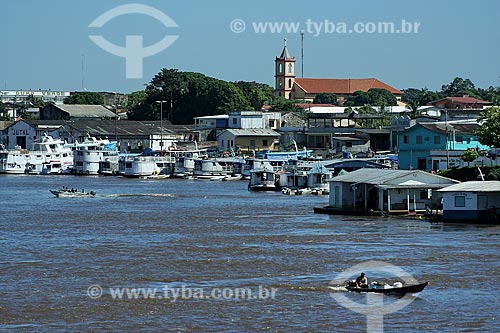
(389,179)
(474,186)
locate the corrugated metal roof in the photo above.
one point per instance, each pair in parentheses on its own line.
(474,186)
(83,110)
(252,132)
(371,176)
(383,176)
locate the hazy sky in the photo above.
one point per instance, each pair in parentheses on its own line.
(45,43)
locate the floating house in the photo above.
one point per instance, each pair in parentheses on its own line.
(380,191)
(474,201)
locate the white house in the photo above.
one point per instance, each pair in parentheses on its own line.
(473,201)
(369,190)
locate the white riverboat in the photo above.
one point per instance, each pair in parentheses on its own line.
(184,163)
(217,167)
(13,161)
(151,163)
(89,154)
(49,156)
(268,175)
(318,179)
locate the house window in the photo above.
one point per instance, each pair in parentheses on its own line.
(252,143)
(460,201)
(280,83)
(235,121)
(222,143)
(419,139)
(459,138)
(264,143)
(437,139)
(290,68)
(348,144)
(289,83)
(280,68)
(406,139)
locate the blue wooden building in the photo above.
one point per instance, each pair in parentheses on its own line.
(420,145)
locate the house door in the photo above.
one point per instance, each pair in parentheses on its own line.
(336,195)
(435,165)
(482,202)
(21,141)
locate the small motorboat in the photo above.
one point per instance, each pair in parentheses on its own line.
(72,193)
(396,288)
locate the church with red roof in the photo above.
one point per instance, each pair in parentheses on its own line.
(289,86)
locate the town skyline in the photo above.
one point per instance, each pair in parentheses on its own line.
(227,43)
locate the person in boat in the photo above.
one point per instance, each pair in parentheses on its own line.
(361,281)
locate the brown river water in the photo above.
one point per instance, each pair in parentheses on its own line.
(182,251)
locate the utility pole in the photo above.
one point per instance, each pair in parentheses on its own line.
(447,139)
(161,124)
(302,51)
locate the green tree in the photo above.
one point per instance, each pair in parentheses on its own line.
(35,102)
(459,86)
(85,97)
(3,112)
(489,131)
(413,106)
(491,94)
(411,94)
(469,155)
(257,94)
(135,104)
(374,96)
(325,98)
(382,97)
(188,95)
(430,96)
(358,98)
(284,105)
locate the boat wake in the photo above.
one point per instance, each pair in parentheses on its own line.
(164,195)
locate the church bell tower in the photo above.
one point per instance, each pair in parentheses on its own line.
(284,74)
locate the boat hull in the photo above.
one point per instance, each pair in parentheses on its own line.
(397,290)
(69,194)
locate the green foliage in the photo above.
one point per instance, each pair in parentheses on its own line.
(85,97)
(135,104)
(257,94)
(469,155)
(459,86)
(489,132)
(494,174)
(3,112)
(187,95)
(467,173)
(34,102)
(374,97)
(358,98)
(416,98)
(325,98)
(284,105)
